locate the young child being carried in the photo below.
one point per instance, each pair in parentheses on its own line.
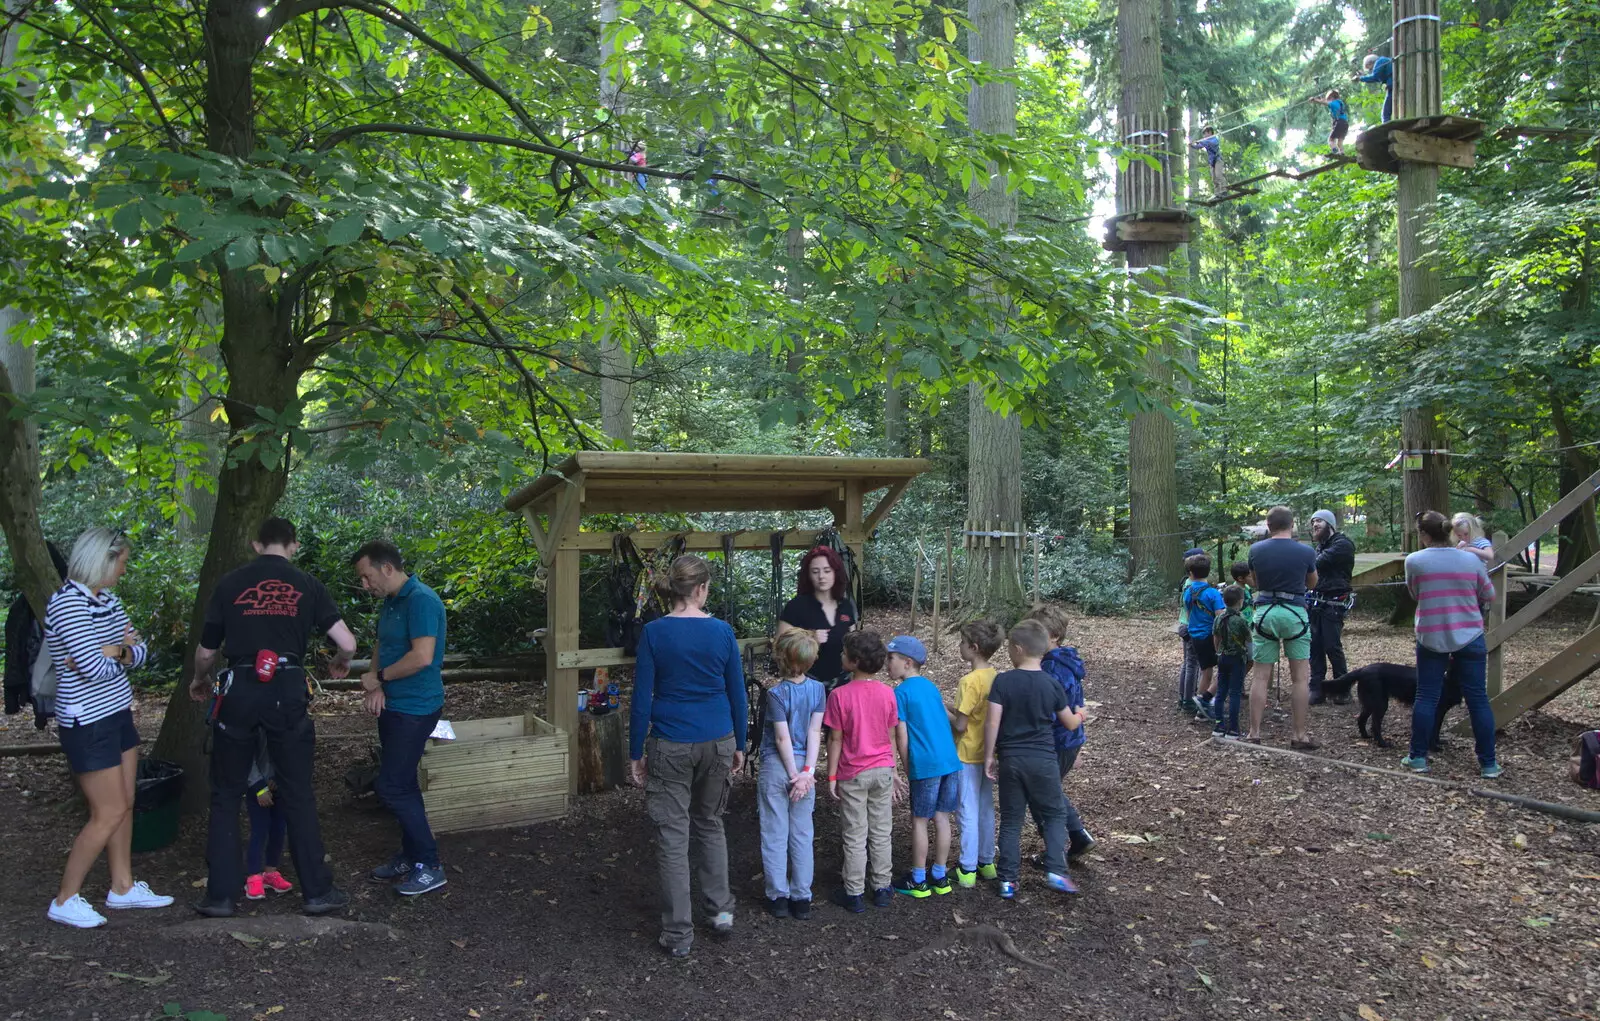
(1204,603)
(1232,637)
(864,725)
(980,640)
(1064,664)
(786,786)
(1019,753)
(928,750)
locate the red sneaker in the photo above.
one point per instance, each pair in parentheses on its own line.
(254,888)
(275,882)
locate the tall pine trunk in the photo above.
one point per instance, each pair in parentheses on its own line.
(1154,544)
(994,441)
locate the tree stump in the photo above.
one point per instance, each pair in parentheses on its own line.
(602,752)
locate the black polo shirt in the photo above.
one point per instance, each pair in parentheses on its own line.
(805,613)
(267,604)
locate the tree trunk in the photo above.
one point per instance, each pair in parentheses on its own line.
(1154,544)
(262,365)
(616,364)
(201,429)
(20,496)
(894,404)
(994,441)
(1580,539)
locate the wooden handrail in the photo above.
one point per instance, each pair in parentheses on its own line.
(1541,604)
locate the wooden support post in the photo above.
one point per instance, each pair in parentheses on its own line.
(1495,669)
(1037,542)
(949,566)
(916,585)
(561,694)
(935,599)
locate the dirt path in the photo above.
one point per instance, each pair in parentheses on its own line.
(1224,886)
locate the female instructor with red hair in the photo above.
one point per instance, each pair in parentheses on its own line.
(824,608)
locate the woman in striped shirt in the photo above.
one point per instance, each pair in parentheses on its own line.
(1452,589)
(92,647)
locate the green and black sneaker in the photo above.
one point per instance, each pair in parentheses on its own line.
(986,870)
(911,888)
(939,885)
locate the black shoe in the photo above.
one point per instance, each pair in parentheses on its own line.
(679,952)
(1079,843)
(1037,861)
(800,909)
(851,902)
(1341,700)
(1316,695)
(392,871)
(215,908)
(334,900)
(883,898)
(778,907)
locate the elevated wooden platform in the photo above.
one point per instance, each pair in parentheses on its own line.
(1446,141)
(1150,226)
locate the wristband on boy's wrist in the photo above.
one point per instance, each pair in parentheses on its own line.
(832,777)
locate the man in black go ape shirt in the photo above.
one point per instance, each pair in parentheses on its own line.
(263,614)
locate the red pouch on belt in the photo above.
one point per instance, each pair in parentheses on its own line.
(266,665)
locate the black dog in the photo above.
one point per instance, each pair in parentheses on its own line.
(1377,683)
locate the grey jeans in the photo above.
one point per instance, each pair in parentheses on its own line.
(786,833)
(686,792)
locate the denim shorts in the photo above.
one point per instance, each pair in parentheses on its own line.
(99,745)
(935,794)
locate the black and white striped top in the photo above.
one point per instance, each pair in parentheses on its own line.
(76,624)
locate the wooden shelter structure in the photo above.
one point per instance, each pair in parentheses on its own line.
(618,482)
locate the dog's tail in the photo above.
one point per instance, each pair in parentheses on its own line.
(1340,685)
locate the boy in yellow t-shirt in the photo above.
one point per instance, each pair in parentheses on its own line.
(980,639)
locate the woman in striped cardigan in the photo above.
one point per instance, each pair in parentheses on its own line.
(92,647)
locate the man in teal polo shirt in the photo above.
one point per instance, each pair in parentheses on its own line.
(405,691)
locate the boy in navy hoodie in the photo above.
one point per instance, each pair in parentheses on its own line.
(1064,664)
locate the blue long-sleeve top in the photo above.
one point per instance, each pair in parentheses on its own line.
(1066,666)
(1382,72)
(688,684)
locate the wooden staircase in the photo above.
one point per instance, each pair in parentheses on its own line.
(1567,667)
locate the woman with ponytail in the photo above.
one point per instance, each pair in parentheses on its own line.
(687,736)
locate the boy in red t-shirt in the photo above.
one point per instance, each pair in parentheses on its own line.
(863,720)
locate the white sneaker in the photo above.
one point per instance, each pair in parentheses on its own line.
(139,895)
(76,912)
(722,922)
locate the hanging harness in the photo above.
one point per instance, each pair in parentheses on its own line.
(635,600)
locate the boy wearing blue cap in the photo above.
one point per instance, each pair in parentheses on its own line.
(928,748)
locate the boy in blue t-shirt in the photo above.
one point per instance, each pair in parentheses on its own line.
(928,748)
(1204,603)
(1211,143)
(1341,119)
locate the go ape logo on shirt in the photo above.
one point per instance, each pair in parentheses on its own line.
(270,599)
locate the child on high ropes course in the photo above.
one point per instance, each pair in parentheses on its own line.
(1213,147)
(1380,71)
(1341,119)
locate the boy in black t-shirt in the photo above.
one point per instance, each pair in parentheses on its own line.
(1023,702)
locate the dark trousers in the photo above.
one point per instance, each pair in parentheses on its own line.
(1469,666)
(1327,644)
(267,830)
(404,737)
(277,709)
(1065,759)
(1230,688)
(1388,102)
(1188,673)
(1029,784)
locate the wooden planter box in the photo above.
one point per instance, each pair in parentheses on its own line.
(507,771)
